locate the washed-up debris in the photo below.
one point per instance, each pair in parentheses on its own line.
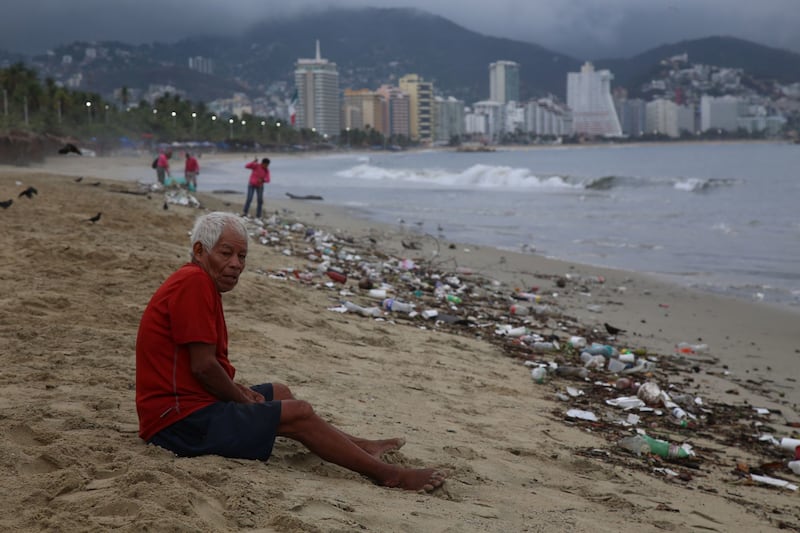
(622,384)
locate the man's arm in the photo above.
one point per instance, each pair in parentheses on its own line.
(213,377)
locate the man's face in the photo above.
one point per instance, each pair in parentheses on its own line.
(225,261)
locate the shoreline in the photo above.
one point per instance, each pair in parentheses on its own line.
(462,398)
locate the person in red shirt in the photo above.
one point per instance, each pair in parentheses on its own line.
(186,397)
(162,166)
(190,172)
(259,175)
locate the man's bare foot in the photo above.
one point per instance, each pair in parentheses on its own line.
(426,479)
(376,448)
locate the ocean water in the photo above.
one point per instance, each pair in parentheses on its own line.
(719,217)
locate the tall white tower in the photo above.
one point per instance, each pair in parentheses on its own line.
(589,97)
(504,81)
(318,106)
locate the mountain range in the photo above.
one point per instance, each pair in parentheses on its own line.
(373,46)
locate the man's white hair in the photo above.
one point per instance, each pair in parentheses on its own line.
(208,228)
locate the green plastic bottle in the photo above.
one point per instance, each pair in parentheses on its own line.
(665,449)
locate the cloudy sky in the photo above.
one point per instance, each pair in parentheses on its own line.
(585,29)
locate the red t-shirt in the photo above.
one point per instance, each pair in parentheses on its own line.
(186,308)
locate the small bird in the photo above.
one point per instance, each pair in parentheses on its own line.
(69,148)
(166,206)
(29,192)
(95,184)
(612,330)
(7,203)
(95,218)
(78,179)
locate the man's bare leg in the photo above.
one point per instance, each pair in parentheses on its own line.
(375,447)
(301,423)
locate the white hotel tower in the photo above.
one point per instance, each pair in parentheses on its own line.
(318,106)
(589,97)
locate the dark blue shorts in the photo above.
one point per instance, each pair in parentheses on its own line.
(229,429)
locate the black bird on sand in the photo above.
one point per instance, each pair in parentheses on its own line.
(95,218)
(29,192)
(166,206)
(612,330)
(95,184)
(78,179)
(7,203)
(69,148)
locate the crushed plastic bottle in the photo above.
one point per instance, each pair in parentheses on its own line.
(390,304)
(366,311)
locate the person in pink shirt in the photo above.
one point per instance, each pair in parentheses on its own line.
(190,172)
(259,175)
(162,166)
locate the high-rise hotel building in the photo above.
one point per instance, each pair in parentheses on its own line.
(589,97)
(318,107)
(420,95)
(504,82)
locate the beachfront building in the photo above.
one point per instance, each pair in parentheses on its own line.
(420,95)
(397,111)
(589,98)
(545,117)
(504,81)
(363,109)
(448,119)
(495,119)
(632,113)
(476,125)
(318,107)
(719,113)
(513,118)
(668,118)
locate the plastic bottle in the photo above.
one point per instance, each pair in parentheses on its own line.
(539,374)
(529,296)
(390,304)
(665,449)
(794,466)
(691,349)
(519,310)
(577,342)
(544,346)
(338,277)
(639,444)
(377,293)
(452,298)
(601,349)
(366,311)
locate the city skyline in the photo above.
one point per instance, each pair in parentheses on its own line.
(585,30)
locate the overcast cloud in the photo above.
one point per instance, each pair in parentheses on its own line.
(585,29)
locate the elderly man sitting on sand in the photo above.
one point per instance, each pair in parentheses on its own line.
(186,398)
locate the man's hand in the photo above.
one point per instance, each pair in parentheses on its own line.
(250,394)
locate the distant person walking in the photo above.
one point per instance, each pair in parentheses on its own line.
(162,166)
(259,175)
(190,172)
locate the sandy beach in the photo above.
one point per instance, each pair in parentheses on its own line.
(461,395)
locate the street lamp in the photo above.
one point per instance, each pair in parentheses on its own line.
(89,111)
(194,122)
(230,121)
(278,126)
(243,124)
(263,123)
(347,133)
(106,115)
(174,120)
